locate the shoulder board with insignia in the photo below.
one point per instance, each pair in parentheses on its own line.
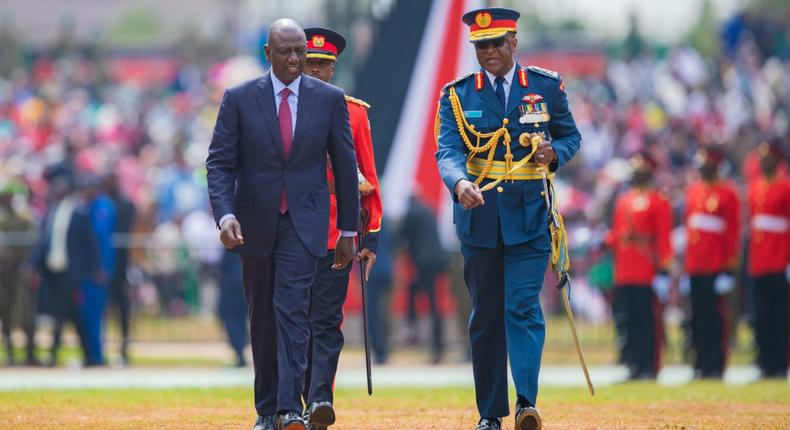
(545,72)
(357,102)
(458,79)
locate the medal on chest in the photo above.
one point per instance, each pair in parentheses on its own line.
(533,110)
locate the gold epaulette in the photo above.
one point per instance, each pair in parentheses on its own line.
(357,101)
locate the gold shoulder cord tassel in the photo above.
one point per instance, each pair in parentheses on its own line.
(560,262)
(493,137)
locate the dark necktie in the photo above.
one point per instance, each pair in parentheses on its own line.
(286,136)
(500,90)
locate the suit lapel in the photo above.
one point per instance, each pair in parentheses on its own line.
(516,92)
(265,98)
(304,109)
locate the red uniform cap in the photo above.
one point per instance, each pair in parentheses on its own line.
(710,154)
(324,43)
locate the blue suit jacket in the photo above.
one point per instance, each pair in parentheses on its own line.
(247,167)
(520,208)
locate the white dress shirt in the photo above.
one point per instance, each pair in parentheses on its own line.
(508,80)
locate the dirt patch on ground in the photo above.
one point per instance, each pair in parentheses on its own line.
(161,411)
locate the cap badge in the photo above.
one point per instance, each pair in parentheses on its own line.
(483,19)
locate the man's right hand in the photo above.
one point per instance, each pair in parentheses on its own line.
(469,194)
(230,234)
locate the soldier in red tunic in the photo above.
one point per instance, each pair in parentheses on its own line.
(769,240)
(331,286)
(712,231)
(639,239)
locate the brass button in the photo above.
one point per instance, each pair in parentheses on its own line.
(499,189)
(542,193)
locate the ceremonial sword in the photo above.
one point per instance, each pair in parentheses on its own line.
(363,228)
(564,281)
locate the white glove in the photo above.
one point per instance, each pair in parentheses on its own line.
(724,283)
(684,285)
(660,286)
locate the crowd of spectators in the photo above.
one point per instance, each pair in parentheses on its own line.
(68,106)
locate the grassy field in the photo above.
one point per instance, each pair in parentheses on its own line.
(187,333)
(703,405)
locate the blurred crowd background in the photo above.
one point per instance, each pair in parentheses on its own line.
(113,107)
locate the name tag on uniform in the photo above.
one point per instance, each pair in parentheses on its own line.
(473,113)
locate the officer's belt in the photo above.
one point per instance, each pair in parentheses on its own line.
(475,167)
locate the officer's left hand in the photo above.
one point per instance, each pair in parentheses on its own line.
(369,258)
(344,252)
(366,188)
(545,154)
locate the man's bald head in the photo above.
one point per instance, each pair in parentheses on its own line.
(286,49)
(284,26)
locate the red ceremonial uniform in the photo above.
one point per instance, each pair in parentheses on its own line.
(712,227)
(769,226)
(639,237)
(363,145)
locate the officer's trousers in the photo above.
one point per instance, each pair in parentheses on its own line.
(771,296)
(709,326)
(504,283)
(327,296)
(637,316)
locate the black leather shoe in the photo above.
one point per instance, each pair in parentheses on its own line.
(290,421)
(489,424)
(320,415)
(527,418)
(264,423)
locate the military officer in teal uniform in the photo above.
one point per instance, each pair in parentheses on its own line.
(496,130)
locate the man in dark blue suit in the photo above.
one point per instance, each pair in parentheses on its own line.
(504,123)
(267,172)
